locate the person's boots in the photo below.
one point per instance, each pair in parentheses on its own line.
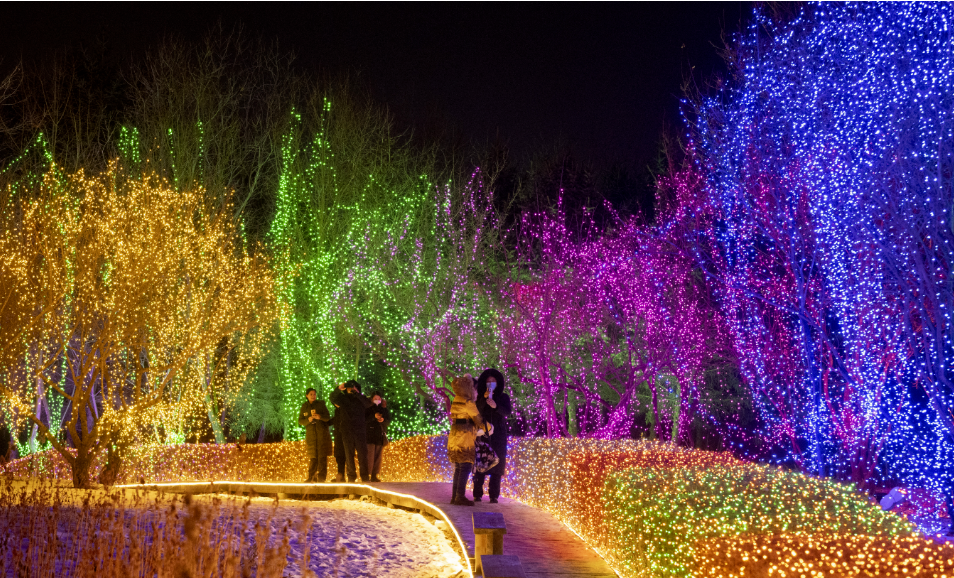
(463,501)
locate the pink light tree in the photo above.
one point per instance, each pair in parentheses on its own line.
(601,316)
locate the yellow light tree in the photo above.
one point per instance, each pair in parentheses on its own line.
(133,294)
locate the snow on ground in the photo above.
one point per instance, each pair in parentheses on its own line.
(359,539)
(343,538)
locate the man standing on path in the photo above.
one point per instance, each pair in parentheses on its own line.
(351,406)
(314,417)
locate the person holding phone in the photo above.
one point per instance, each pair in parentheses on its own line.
(377,417)
(494,406)
(465,426)
(314,417)
(351,406)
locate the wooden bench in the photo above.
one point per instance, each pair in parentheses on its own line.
(500,566)
(489,530)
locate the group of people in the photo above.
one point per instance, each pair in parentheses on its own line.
(359,430)
(479,409)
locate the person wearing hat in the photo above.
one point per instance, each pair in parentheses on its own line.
(314,417)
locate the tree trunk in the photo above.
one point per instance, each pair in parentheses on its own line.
(80,467)
(676,414)
(571,415)
(657,422)
(214,421)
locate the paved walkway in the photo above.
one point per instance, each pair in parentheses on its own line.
(545,546)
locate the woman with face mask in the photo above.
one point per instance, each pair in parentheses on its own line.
(377,418)
(494,406)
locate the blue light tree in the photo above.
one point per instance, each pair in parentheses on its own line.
(827,172)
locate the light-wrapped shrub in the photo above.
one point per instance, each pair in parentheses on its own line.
(416,459)
(845,556)
(655,516)
(409,459)
(589,470)
(538,468)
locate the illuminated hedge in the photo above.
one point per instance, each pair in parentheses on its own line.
(589,471)
(651,509)
(655,515)
(823,555)
(282,462)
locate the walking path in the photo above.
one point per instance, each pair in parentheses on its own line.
(545,546)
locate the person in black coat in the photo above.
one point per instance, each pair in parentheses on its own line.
(495,408)
(314,417)
(352,429)
(377,418)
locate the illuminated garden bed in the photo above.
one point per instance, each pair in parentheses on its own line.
(651,509)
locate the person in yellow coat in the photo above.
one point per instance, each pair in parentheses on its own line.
(466,425)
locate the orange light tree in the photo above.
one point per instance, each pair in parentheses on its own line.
(123,287)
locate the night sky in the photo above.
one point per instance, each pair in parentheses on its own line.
(600,79)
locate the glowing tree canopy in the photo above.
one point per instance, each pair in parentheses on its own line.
(605,327)
(375,264)
(134,302)
(826,168)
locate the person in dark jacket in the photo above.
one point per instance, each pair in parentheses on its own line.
(314,417)
(495,408)
(377,417)
(352,405)
(338,443)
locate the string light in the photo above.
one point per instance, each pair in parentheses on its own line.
(135,303)
(650,509)
(820,193)
(374,269)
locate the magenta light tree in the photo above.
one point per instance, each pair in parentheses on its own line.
(653,324)
(538,317)
(591,319)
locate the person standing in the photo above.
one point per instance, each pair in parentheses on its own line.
(314,417)
(377,418)
(494,406)
(465,425)
(338,442)
(352,405)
